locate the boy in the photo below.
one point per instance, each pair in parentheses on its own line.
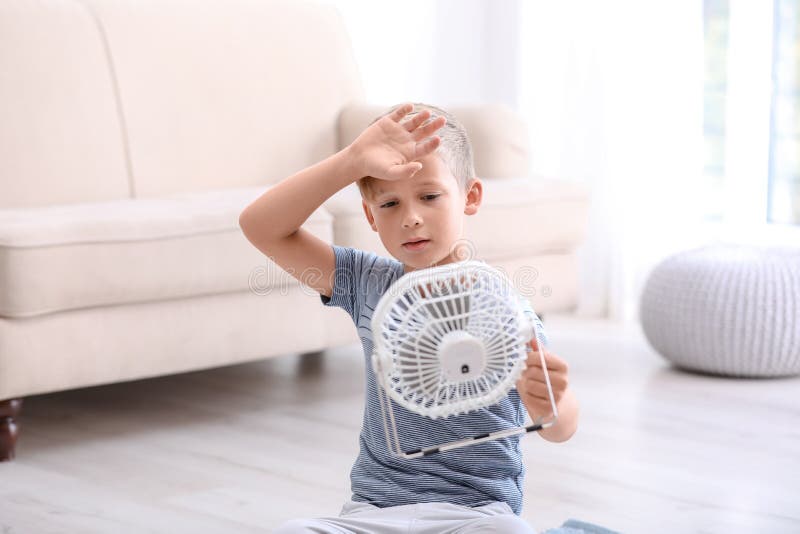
(416,187)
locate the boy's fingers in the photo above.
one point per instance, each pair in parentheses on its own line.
(553,362)
(400,172)
(427,146)
(535,359)
(414,122)
(401,112)
(537,374)
(429,129)
(556,381)
(540,397)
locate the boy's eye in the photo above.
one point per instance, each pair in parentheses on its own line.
(391,203)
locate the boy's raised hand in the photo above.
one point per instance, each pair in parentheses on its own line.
(388,148)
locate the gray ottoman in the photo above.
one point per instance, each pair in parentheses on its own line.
(726,309)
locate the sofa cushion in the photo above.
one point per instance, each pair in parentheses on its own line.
(80,255)
(113,343)
(518,217)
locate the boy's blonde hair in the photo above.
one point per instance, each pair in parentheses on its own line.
(455,149)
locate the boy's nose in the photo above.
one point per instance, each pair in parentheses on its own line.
(411,221)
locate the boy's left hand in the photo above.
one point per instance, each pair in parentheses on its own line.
(532,387)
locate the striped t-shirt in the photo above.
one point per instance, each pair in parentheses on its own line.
(471,476)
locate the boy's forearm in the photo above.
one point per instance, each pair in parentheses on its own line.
(567,422)
(281,210)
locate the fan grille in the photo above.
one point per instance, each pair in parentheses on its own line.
(422,311)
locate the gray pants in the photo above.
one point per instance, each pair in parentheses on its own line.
(423,518)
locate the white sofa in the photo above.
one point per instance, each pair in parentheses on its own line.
(133,133)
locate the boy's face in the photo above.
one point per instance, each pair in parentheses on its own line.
(429,206)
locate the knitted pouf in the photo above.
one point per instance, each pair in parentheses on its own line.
(728,310)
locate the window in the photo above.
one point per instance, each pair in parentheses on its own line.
(715,87)
(784,157)
(751,125)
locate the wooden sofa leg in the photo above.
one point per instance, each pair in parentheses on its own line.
(9,429)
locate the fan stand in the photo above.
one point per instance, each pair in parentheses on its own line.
(393,440)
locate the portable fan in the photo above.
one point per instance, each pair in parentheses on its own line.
(449,340)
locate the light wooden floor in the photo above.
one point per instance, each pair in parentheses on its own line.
(243,448)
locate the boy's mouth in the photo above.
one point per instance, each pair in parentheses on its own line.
(416,244)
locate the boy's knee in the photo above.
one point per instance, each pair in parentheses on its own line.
(302,526)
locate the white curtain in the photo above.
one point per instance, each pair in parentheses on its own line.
(613,93)
(443,52)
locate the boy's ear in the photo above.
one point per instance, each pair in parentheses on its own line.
(474,197)
(368,213)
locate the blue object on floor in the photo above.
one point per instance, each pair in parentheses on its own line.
(573,526)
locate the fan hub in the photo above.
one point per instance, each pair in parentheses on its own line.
(462,356)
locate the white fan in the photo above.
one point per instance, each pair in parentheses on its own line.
(449,340)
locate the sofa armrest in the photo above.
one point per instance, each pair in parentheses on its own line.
(498,135)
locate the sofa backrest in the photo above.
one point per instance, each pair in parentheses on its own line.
(61,138)
(168,96)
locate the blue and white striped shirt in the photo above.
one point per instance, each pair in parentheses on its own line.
(470,476)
